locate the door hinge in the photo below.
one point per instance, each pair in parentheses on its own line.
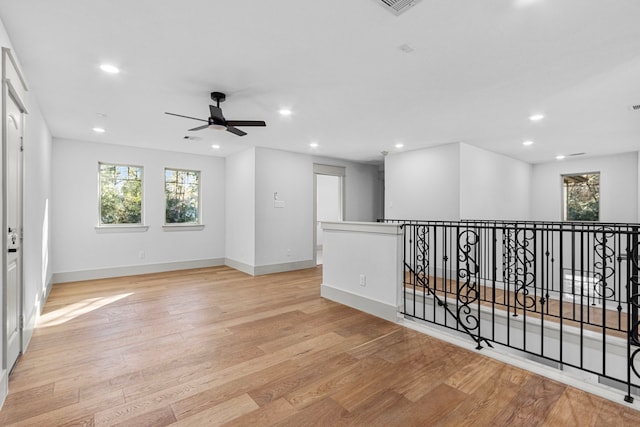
(21,321)
(21,144)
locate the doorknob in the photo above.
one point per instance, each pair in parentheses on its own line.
(12,240)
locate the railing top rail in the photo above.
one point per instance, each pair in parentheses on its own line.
(609,227)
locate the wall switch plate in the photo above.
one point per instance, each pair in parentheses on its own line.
(278,203)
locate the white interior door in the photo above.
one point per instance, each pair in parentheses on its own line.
(13,215)
(329,205)
(329,202)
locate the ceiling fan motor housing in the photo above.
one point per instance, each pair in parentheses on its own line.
(217,121)
(218,96)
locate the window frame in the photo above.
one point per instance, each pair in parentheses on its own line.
(139,226)
(565,196)
(183,225)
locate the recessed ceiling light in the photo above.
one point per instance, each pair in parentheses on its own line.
(313,145)
(111,69)
(560,157)
(536,117)
(285,112)
(215,146)
(527,142)
(399,145)
(98,130)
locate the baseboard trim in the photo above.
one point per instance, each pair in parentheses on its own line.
(240,266)
(281,268)
(259,270)
(105,273)
(4,386)
(46,292)
(30,326)
(377,308)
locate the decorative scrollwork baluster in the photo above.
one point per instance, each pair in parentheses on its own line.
(604,263)
(468,292)
(518,265)
(422,255)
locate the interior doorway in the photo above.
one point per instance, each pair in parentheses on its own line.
(13,112)
(328,201)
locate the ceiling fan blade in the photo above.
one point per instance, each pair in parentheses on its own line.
(216,112)
(186,117)
(200,127)
(246,123)
(235,131)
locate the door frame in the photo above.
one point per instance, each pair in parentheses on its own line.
(14,86)
(320,169)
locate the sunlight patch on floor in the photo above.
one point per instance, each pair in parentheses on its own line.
(70,312)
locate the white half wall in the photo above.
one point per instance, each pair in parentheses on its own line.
(79,248)
(423,184)
(493,186)
(618,186)
(363,266)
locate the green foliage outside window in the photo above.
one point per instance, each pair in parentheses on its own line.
(120,194)
(182,196)
(582,193)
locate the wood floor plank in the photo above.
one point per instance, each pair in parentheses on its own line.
(213,345)
(267,415)
(325,412)
(221,413)
(488,400)
(531,406)
(159,417)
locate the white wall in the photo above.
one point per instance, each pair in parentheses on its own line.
(36,245)
(363,192)
(618,186)
(80,248)
(240,208)
(283,235)
(262,238)
(37,254)
(423,184)
(493,186)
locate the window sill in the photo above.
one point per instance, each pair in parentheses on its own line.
(183,227)
(121,228)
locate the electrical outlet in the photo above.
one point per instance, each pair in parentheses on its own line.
(363,280)
(142,255)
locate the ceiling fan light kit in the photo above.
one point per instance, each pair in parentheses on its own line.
(217,121)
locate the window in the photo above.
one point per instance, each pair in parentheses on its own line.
(120,194)
(582,197)
(182,196)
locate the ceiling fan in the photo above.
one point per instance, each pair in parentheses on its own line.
(217,120)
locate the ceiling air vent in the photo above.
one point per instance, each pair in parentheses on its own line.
(397,6)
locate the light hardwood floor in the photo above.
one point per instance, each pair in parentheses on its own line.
(215,346)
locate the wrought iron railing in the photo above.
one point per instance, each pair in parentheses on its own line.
(566,292)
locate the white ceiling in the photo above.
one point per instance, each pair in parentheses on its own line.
(478,70)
